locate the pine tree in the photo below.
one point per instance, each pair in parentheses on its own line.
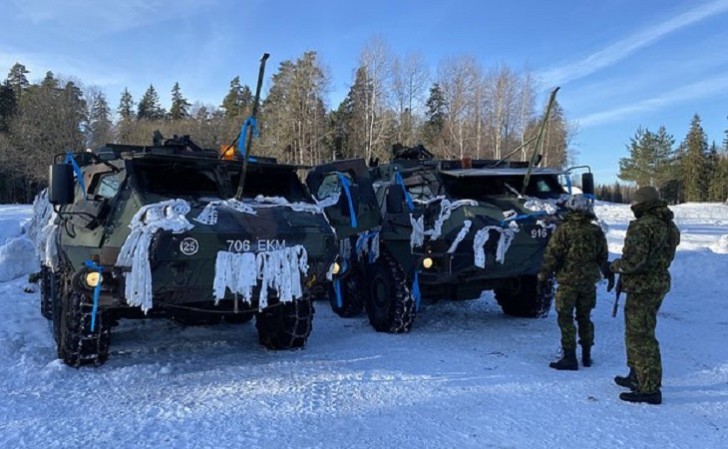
(238,101)
(435,116)
(17,79)
(694,162)
(149,107)
(180,105)
(8,106)
(353,110)
(100,127)
(294,111)
(126,106)
(718,190)
(651,155)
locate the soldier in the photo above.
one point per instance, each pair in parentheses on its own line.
(649,248)
(577,253)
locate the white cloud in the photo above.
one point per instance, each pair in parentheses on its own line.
(621,49)
(88,18)
(701,89)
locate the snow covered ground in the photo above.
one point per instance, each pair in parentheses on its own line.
(465,377)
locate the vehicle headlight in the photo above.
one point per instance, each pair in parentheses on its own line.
(335,268)
(93,278)
(427,262)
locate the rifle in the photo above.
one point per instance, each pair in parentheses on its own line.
(618,291)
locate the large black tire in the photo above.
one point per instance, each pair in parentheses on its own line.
(46,301)
(389,302)
(521,300)
(285,325)
(77,344)
(352,294)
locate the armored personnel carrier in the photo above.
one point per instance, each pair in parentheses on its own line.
(450,230)
(159,231)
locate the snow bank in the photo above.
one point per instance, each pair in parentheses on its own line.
(722,246)
(17,258)
(9,229)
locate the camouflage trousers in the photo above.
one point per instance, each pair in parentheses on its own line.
(583,300)
(643,349)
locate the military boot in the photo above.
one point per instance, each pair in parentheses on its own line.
(628,381)
(567,362)
(654,398)
(586,359)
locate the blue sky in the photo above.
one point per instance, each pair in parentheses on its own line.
(621,64)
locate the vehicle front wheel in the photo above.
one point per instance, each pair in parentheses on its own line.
(285,325)
(77,343)
(389,302)
(522,299)
(49,283)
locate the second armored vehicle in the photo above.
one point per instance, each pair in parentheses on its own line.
(450,230)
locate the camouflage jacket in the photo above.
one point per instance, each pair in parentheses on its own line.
(649,248)
(576,252)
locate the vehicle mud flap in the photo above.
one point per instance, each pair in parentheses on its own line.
(389,302)
(77,344)
(285,325)
(524,301)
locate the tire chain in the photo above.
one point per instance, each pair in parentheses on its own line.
(404,306)
(81,346)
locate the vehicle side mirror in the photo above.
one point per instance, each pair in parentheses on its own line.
(587,183)
(60,190)
(395,199)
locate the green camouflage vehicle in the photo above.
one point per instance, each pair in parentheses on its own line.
(158,231)
(450,230)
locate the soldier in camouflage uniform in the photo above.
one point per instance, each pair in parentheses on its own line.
(577,253)
(649,248)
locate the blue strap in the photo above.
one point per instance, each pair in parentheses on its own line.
(337,291)
(97,292)
(250,121)
(398,179)
(568,184)
(77,170)
(416,290)
(505,222)
(345,185)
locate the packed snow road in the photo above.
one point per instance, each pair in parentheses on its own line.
(466,376)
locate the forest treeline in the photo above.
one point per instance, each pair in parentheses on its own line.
(462,110)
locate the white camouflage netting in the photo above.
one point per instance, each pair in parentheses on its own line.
(504,242)
(208,215)
(279,270)
(417,238)
(167,215)
(367,244)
